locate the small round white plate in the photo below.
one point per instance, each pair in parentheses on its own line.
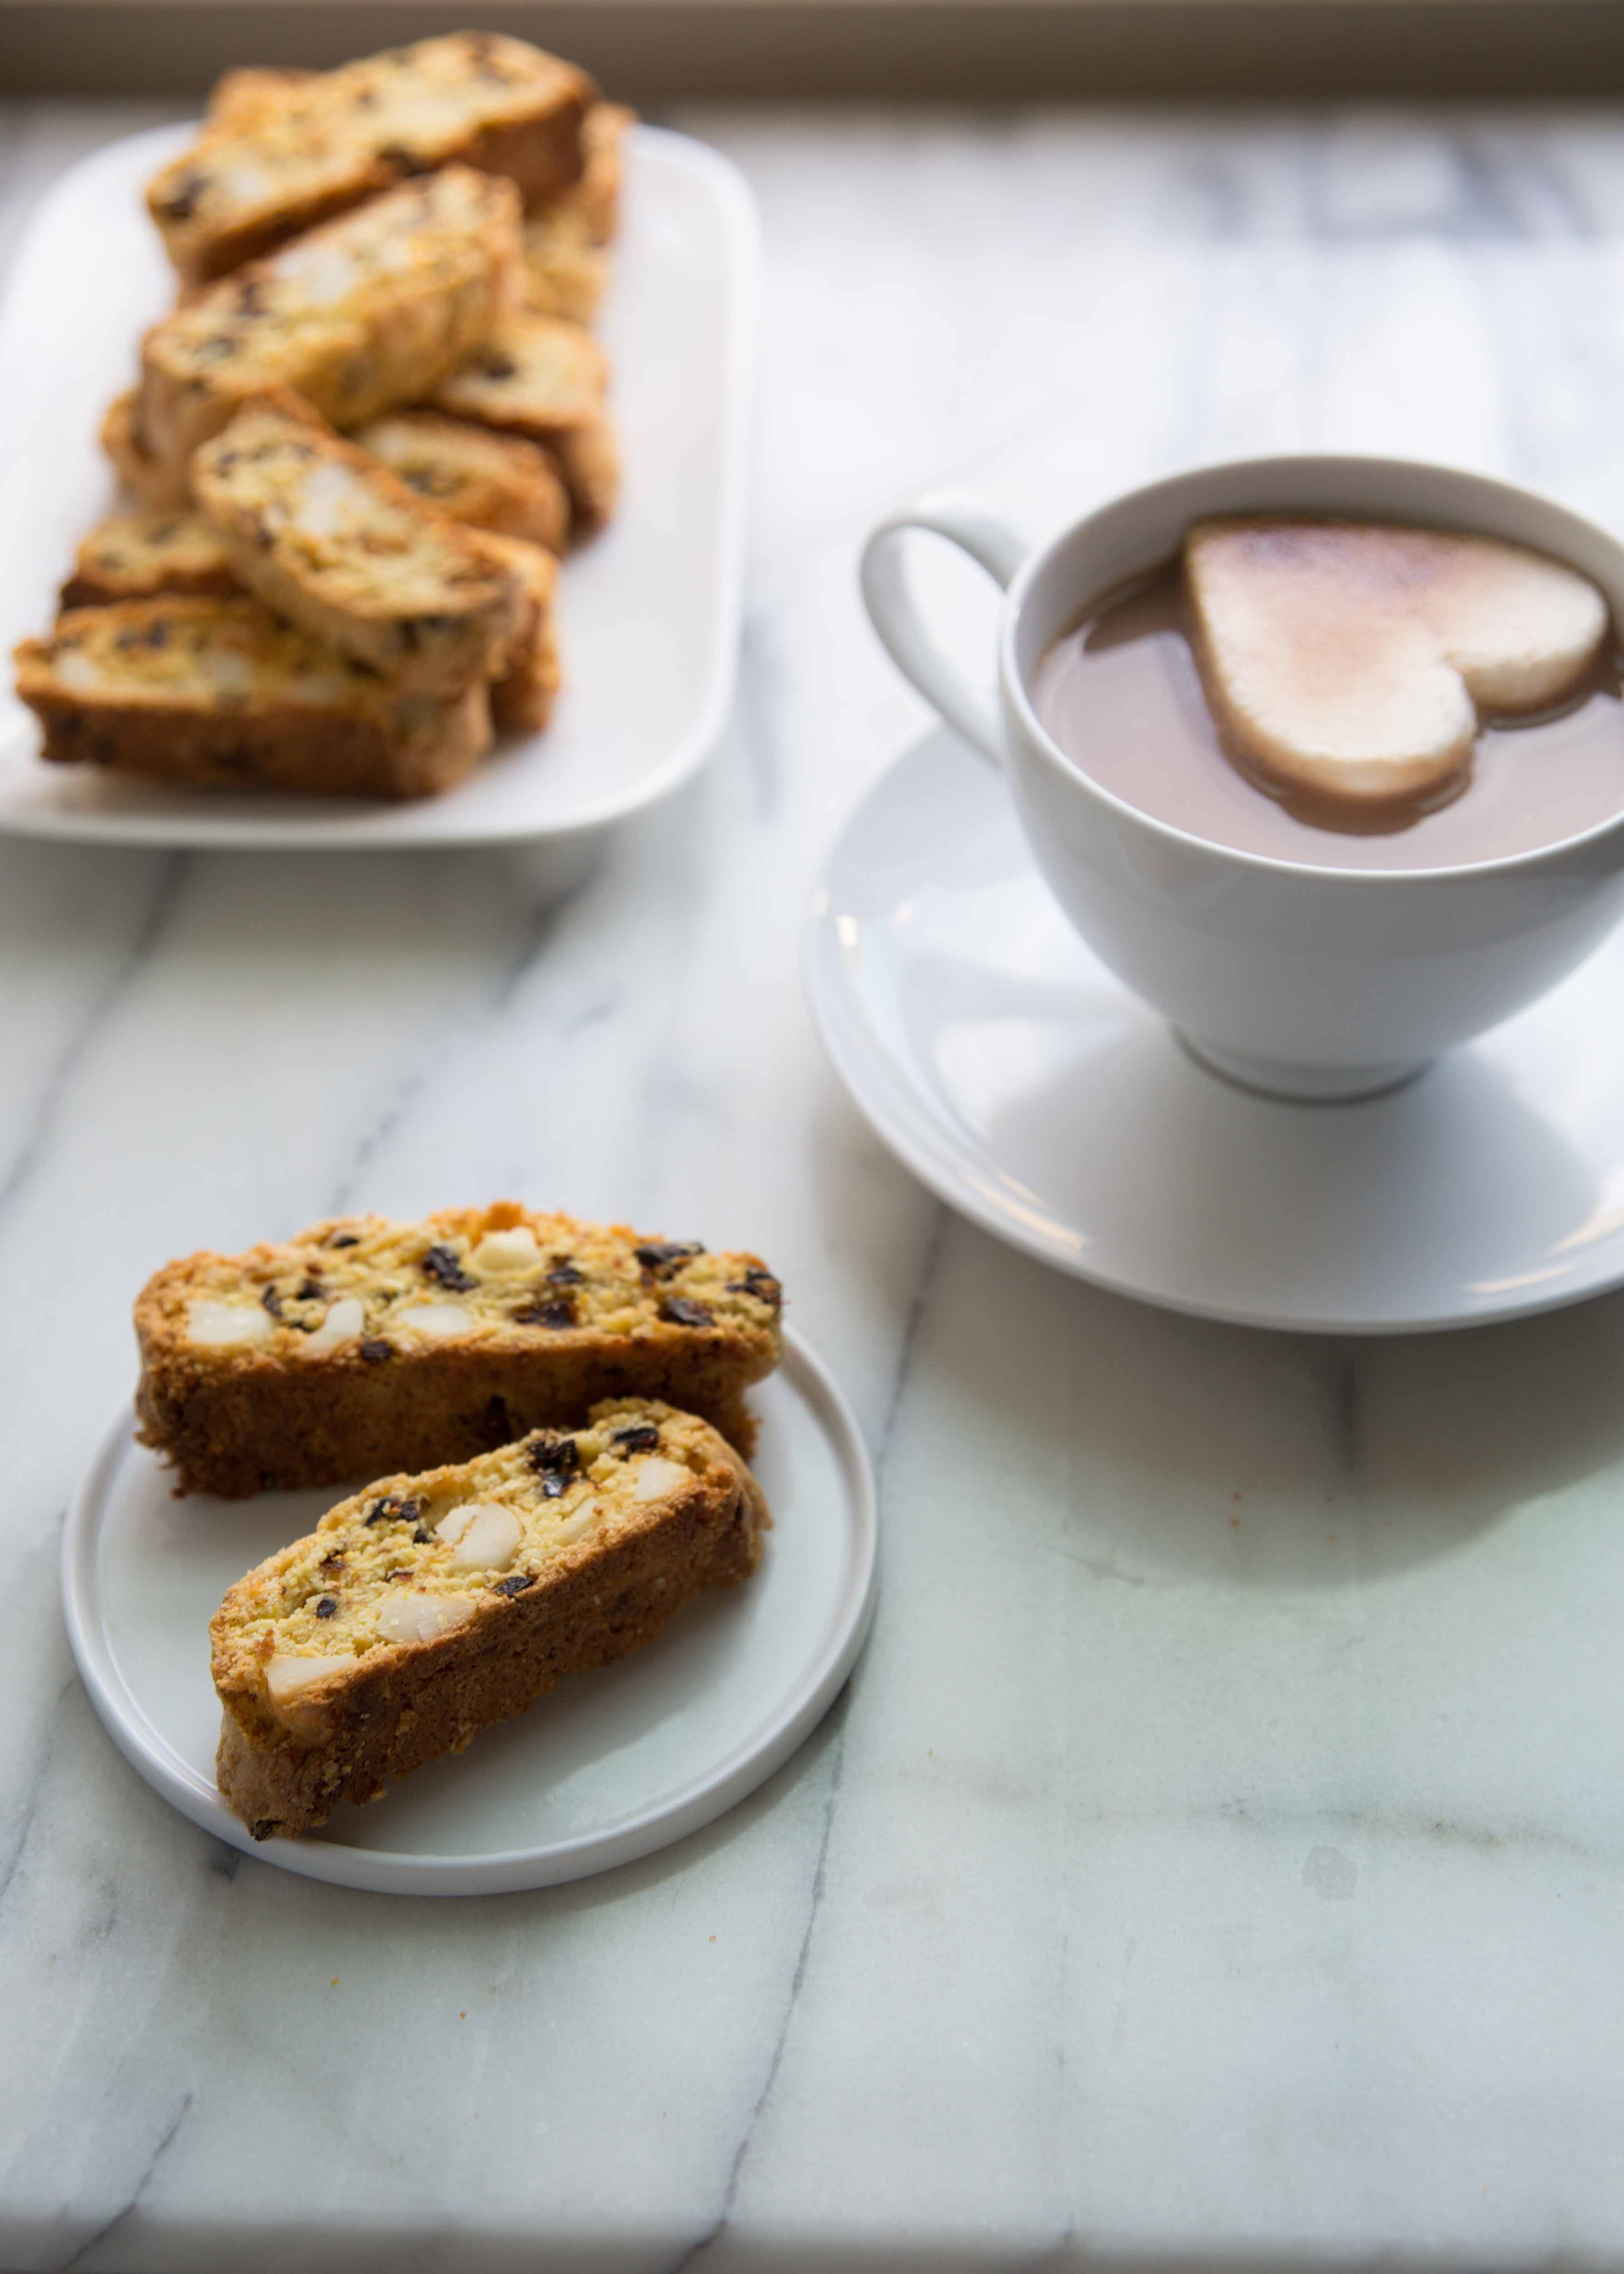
(1021,1081)
(610,1766)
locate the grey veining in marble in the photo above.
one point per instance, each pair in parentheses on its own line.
(1219,1855)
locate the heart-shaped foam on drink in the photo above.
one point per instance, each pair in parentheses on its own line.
(1356,661)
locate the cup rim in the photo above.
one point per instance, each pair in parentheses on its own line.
(1014,688)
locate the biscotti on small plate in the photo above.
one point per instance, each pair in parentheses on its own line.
(217,694)
(365,312)
(282,152)
(130,556)
(547,381)
(363,1345)
(430,1607)
(331,539)
(496,482)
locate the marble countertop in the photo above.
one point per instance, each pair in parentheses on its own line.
(1218,1857)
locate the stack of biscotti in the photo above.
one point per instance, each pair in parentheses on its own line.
(282,152)
(567,233)
(368,248)
(553,1412)
(425,626)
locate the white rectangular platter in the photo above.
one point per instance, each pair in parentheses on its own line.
(648,612)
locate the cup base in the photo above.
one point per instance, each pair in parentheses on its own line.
(1303,1085)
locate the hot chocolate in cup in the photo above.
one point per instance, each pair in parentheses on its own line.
(1299,973)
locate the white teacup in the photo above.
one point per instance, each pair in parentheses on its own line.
(1304,981)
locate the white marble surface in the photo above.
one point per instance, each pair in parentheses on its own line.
(1219,1855)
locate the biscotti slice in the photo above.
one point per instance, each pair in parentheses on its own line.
(547,381)
(130,556)
(329,539)
(566,273)
(566,256)
(597,195)
(215,694)
(364,1345)
(428,1608)
(489,481)
(523,693)
(280,153)
(241,100)
(158,483)
(363,313)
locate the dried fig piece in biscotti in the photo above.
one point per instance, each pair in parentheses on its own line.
(282,151)
(428,1608)
(365,312)
(356,1349)
(327,538)
(215,694)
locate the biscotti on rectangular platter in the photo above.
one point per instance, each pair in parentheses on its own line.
(282,152)
(132,556)
(162,484)
(215,694)
(362,1346)
(364,313)
(566,242)
(547,381)
(496,482)
(523,693)
(241,98)
(430,1607)
(481,478)
(332,540)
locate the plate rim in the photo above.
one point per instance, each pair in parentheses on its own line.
(204,832)
(830,1004)
(692,1805)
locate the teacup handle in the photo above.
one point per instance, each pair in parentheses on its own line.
(966,522)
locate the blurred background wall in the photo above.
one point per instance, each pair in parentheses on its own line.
(651,50)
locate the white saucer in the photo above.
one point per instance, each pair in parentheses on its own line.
(1024,1084)
(648,612)
(609,1767)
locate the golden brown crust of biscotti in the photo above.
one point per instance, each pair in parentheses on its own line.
(365,312)
(328,537)
(547,382)
(565,273)
(214,694)
(242,98)
(567,259)
(376,1643)
(523,693)
(132,556)
(485,480)
(160,484)
(282,152)
(597,195)
(606,1311)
